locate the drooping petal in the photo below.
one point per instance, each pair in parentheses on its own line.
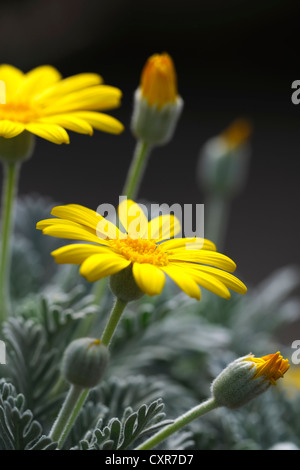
(208,281)
(163,227)
(51,132)
(10,129)
(77,253)
(100,121)
(132,218)
(70,122)
(101,265)
(183,280)
(149,278)
(228,279)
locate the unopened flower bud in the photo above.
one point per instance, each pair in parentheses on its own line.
(18,148)
(84,362)
(157,105)
(247,377)
(223,162)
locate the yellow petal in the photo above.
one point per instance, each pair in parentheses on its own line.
(77,253)
(228,279)
(132,218)
(37,80)
(51,132)
(204,257)
(67,86)
(71,232)
(100,121)
(149,278)
(183,280)
(98,266)
(10,129)
(12,78)
(206,280)
(70,122)
(191,243)
(84,216)
(97,97)
(42,224)
(163,227)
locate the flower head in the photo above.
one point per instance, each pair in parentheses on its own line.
(43,103)
(157,105)
(148,249)
(246,377)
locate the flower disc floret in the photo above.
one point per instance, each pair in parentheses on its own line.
(141,251)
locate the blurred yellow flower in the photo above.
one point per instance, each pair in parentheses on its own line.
(189,262)
(43,103)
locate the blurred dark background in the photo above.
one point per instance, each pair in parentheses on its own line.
(233,58)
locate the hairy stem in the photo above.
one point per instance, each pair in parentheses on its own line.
(179,423)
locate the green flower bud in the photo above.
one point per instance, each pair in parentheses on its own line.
(17,149)
(124,287)
(224,160)
(157,105)
(84,362)
(246,378)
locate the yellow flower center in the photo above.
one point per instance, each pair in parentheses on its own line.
(272,367)
(140,251)
(158,80)
(18,111)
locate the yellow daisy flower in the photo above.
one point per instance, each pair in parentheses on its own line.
(43,103)
(147,247)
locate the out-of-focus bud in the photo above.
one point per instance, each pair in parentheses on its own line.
(18,148)
(247,377)
(84,362)
(224,159)
(157,105)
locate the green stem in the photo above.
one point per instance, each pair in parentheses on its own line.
(179,423)
(113,321)
(11,174)
(73,416)
(136,170)
(217,210)
(66,413)
(77,395)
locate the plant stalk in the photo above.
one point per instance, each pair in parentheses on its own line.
(11,176)
(179,423)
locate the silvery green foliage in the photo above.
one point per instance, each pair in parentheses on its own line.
(168,348)
(18,429)
(121,434)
